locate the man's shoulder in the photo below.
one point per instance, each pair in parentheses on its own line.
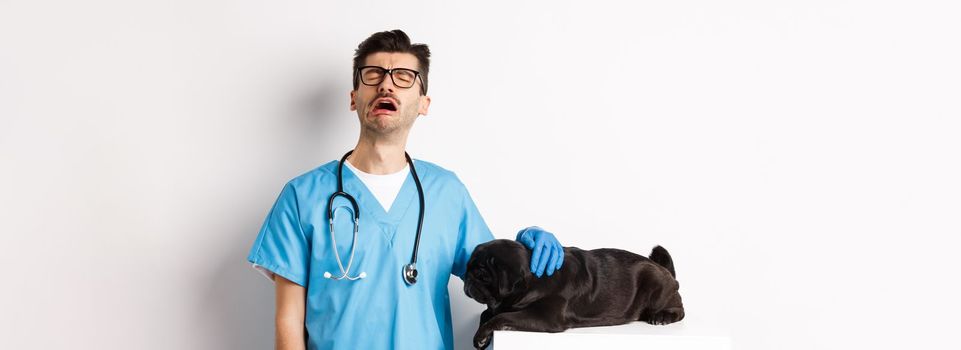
(424,168)
(439,176)
(324,173)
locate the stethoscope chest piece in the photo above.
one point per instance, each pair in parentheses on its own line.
(410,273)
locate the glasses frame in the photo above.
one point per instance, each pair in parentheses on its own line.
(390,72)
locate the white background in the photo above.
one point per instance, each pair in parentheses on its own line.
(800,159)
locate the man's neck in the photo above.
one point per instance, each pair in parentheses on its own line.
(379,157)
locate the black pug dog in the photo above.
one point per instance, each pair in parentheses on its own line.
(600,287)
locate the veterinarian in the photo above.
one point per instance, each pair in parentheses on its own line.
(380,281)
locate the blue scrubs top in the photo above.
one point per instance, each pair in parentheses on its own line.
(379,311)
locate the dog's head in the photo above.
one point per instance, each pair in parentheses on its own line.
(497,270)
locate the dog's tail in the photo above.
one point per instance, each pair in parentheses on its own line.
(660,256)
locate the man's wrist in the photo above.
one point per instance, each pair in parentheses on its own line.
(521,235)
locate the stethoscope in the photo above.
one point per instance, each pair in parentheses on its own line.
(410,270)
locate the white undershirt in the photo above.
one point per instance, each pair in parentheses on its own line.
(384,187)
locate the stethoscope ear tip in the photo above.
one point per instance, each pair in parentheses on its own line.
(363,274)
(327,275)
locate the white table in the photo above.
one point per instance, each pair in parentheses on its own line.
(684,335)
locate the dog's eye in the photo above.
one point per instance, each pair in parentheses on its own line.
(484,277)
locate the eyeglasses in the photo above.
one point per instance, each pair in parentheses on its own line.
(401,77)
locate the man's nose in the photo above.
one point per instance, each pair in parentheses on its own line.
(386,85)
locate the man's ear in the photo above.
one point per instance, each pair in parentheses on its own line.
(424,105)
(353,105)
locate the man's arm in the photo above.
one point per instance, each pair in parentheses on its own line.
(291,306)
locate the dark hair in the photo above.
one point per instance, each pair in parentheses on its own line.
(393,41)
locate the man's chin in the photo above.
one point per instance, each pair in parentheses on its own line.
(382,127)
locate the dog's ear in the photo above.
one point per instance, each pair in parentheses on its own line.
(509,280)
(512,274)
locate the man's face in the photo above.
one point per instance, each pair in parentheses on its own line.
(407,103)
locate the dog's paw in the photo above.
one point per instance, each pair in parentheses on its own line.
(664,317)
(482,341)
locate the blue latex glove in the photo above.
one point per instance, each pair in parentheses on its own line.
(547,254)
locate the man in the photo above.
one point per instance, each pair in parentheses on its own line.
(365,302)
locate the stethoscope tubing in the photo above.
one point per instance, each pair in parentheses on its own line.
(410,270)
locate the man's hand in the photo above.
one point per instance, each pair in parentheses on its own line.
(547,253)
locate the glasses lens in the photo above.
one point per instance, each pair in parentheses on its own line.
(404,77)
(372,75)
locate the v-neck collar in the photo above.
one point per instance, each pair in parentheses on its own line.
(388,221)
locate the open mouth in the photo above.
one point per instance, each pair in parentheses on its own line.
(384,104)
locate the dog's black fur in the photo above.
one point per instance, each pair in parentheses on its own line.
(598,287)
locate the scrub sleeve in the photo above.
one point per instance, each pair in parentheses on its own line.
(282,247)
(472,232)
